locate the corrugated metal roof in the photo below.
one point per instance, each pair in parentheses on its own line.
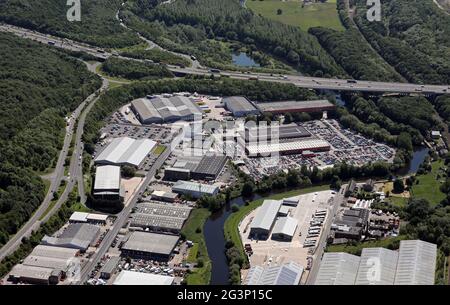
(293,105)
(266,215)
(287,274)
(151,243)
(126,150)
(107,177)
(416,263)
(306,144)
(126,277)
(285,225)
(377,267)
(181,186)
(338,269)
(237,104)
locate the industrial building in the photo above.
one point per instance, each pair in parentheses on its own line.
(286,148)
(164,196)
(125,151)
(126,277)
(82,217)
(338,269)
(296,106)
(385,262)
(264,219)
(160,217)
(240,106)
(209,167)
(416,263)
(110,267)
(286,274)
(76,236)
(351,224)
(107,184)
(165,109)
(147,245)
(284,228)
(45,265)
(194,189)
(289,131)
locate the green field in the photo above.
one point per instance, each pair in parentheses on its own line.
(428,187)
(159,150)
(231,226)
(311,15)
(197,219)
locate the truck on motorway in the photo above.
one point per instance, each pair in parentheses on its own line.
(351,81)
(214,70)
(52,43)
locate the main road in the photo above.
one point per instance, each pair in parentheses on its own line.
(121,219)
(299,81)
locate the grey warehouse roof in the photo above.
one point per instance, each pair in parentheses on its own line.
(78,235)
(151,243)
(126,277)
(266,215)
(125,150)
(416,263)
(285,225)
(338,269)
(164,209)
(237,104)
(107,177)
(187,186)
(166,109)
(385,262)
(287,274)
(293,105)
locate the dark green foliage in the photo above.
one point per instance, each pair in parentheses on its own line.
(413,37)
(38,87)
(131,69)
(197,26)
(98,25)
(128,171)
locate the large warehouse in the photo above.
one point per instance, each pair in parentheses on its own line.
(296,106)
(165,110)
(384,259)
(126,277)
(286,148)
(286,274)
(284,228)
(125,151)
(147,245)
(194,189)
(338,268)
(209,167)
(240,106)
(289,131)
(107,184)
(264,219)
(416,263)
(76,236)
(160,217)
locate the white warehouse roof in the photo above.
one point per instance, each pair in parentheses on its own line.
(126,151)
(338,269)
(377,267)
(416,263)
(266,215)
(287,274)
(126,277)
(285,225)
(107,177)
(78,217)
(267,148)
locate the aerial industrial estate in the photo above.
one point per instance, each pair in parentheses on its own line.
(163,148)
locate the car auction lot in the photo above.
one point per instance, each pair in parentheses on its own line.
(270,252)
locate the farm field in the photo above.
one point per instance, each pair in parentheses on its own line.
(311,15)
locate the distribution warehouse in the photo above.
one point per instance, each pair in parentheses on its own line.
(165,110)
(286,274)
(240,106)
(296,106)
(413,264)
(125,151)
(76,236)
(150,246)
(194,189)
(107,183)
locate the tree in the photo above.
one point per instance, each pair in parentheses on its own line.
(279,11)
(234,208)
(128,171)
(399,186)
(247,189)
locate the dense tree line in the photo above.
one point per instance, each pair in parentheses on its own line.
(413,37)
(131,69)
(98,25)
(38,87)
(442,105)
(195,23)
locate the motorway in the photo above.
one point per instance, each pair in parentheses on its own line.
(58,175)
(122,218)
(297,80)
(337,200)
